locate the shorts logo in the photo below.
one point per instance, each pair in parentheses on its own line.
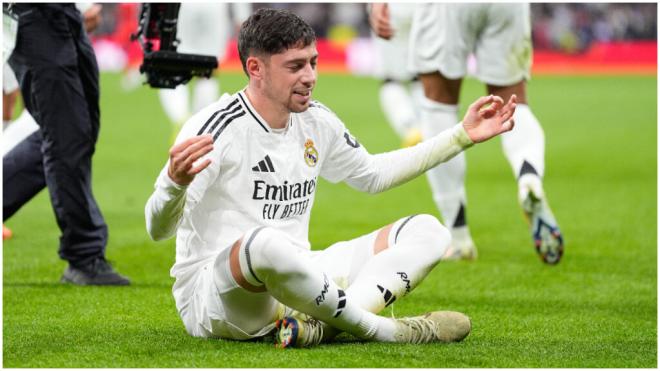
(311,154)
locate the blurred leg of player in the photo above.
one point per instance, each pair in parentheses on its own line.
(505,71)
(203,28)
(396,95)
(205,92)
(439,57)
(447,180)
(176,104)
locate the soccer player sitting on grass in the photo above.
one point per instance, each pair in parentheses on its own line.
(238,191)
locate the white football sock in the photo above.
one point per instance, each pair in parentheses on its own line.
(398,107)
(205,92)
(525,143)
(447,179)
(285,268)
(417,94)
(414,246)
(175,103)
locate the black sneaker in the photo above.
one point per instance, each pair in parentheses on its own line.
(99,272)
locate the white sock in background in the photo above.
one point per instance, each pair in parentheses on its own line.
(525,143)
(398,106)
(524,147)
(175,103)
(447,179)
(205,92)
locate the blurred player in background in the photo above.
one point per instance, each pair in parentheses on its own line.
(238,189)
(499,35)
(401,92)
(203,28)
(57,71)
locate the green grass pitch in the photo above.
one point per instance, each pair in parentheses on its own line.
(597,308)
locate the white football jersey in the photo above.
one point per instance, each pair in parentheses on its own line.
(257,177)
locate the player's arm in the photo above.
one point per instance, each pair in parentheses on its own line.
(165,206)
(487,117)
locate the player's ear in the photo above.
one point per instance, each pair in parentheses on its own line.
(254,67)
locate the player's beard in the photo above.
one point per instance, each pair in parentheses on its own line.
(295,106)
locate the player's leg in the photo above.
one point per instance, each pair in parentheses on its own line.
(176,104)
(525,149)
(505,70)
(389,263)
(204,28)
(440,44)
(395,94)
(205,92)
(447,180)
(383,266)
(399,108)
(267,260)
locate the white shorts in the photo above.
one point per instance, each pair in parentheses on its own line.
(392,55)
(499,35)
(220,308)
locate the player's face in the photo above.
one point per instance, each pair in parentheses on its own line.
(291,76)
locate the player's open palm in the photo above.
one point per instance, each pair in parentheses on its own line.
(488,117)
(183,157)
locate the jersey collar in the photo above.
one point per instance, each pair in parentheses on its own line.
(257,117)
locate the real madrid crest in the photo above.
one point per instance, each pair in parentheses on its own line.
(311,154)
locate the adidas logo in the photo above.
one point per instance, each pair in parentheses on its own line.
(264,166)
(387,295)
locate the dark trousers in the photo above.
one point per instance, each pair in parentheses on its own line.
(57,71)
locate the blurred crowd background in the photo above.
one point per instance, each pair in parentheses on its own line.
(571,27)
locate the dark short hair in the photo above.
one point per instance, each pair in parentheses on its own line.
(272,31)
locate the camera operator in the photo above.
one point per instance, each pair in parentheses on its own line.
(57,71)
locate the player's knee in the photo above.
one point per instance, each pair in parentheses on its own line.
(434,237)
(271,250)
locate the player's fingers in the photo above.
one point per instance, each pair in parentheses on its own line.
(180,147)
(202,141)
(196,170)
(193,157)
(513,99)
(507,113)
(476,106)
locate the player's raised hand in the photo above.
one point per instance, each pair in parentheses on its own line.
(184,155)
(379,20)
(488,117)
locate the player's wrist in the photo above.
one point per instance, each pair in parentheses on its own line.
(172,186)
(461,136)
